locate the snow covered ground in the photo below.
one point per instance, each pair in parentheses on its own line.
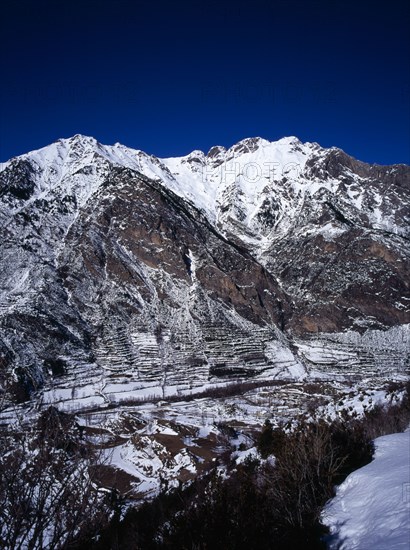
(371,510)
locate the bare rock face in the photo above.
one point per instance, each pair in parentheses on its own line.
(123,275)
(161,292)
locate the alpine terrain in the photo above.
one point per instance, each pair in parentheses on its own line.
(133,289)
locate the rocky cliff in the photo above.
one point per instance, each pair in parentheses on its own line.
(123,275)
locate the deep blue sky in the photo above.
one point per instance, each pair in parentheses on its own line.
(169,77)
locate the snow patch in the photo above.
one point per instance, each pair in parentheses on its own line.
(371,510)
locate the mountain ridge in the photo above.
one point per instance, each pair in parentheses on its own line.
(122,271)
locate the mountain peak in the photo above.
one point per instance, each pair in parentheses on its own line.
(78,139)
(289,139)
(249,145)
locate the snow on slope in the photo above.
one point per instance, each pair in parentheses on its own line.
(371,510)
(199,178)
(283,201)
(250,165)
(241,184)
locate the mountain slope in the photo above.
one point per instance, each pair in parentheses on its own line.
(123,274)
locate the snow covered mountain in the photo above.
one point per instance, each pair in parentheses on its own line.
(125,275)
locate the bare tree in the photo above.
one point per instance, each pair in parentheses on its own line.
(49,498)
